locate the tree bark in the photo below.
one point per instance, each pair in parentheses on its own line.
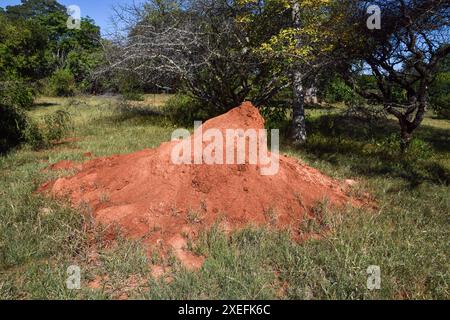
(405,133)
(409,123)
(298,127)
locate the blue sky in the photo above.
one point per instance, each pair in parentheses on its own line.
(99,10)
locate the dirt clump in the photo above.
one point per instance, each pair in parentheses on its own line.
(149,197)
(65,165)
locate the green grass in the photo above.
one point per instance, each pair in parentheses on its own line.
(407,236)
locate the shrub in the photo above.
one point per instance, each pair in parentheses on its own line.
(440,95)
(62,83)
(15,126)
(34,136)
(275,116)
(418,150)
(12,125)
(16,93)
(52,128)
(130,87)
(338,91)
(57,125)
(184,110)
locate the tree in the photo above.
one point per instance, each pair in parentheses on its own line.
(22,50)
(76,50)
(29,9)
(404,56)
(201,44)
(228,51)
(302,34)
(298,129)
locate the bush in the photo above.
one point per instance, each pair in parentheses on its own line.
(184,110)
(62,84)
(57,125)
(15,126)
(440,95)
(13,122)
(338,91)
(418,150)
(51,128)
(275,116)
(130,87)
(34,136)
(16,93)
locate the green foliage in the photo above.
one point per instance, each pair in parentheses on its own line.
(13,122)
(57,125)
(129,86)
(29,9)
(22,49)
(34,136)
(440,95)
(36,43)
(418,150)
(82,63)
(338,91)
(15,126)
(274,115)
(62,83)
(184,109)
(17,93)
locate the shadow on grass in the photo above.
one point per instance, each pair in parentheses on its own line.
(126,114)
(44,104)
(372,148)
(127,110)
(317,106)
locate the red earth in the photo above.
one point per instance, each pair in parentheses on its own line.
(148,197)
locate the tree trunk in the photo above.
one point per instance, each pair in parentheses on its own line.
(405,134)
(298,128)
(409,123)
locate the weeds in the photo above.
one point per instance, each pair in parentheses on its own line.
(271,216)
(193,216)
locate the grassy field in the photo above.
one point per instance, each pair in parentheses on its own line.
(407,237)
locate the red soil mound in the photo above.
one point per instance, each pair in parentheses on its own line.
(149,197)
